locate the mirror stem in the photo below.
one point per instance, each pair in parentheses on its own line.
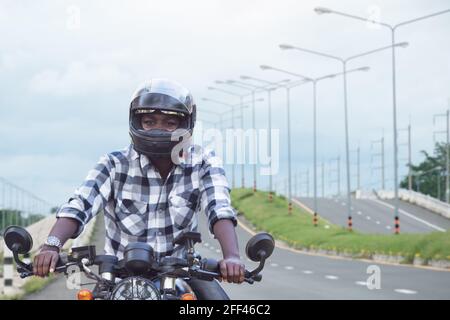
(17,260)
(262,257)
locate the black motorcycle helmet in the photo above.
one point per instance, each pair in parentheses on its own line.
(165,96)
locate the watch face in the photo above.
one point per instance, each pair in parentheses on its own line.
(53,241)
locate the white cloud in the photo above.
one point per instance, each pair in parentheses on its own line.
(79,78)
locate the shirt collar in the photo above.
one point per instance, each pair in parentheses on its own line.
(188,158)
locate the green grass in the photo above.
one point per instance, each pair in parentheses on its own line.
(35,284)
(299,232)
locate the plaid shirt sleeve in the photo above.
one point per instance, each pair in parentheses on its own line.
(92,196)
(214,190)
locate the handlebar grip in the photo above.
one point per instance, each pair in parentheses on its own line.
(60,266)
(210,265)
(63,259)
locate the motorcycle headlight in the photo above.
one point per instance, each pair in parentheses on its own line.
(135,288)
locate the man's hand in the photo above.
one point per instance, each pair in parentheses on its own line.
(45,261)
(232,269)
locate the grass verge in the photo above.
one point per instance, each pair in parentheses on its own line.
(298,231)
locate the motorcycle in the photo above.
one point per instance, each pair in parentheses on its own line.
(140,275)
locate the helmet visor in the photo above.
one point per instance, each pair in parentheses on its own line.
(159,101)
(138,118)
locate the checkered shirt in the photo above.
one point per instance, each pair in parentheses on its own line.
(139,206)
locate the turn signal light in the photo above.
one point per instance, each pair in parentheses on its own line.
(188,296)
(85,295)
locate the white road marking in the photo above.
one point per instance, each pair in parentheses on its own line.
(405,291)
(308,272)
(361,283)
(388,227)
(289,268)
(368,218)
(274,265)
(411,216)
(343,203)
(330,277)
(218,251)
(378,222)
(359,213)
(206,244)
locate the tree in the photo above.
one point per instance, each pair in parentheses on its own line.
(429,176)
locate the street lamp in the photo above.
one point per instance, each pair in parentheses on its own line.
(447,157)
(314,82)
(273,87)
(268,88)
(288,107)
(252,91)
(233,126)
(243,105)
(344,62)
(392,28)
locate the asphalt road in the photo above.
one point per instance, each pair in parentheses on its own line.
(376,216)
(292,275)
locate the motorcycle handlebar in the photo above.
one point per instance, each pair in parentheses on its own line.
(26,270)
(209,267)
(212,266)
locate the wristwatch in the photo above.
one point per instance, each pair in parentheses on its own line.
(53,241)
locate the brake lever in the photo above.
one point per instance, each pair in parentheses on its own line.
(251,278)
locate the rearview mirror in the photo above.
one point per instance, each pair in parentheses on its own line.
(260,246)
(18,239)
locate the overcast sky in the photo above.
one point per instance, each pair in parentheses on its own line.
(68,69)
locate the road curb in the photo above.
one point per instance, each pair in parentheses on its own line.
(393,260)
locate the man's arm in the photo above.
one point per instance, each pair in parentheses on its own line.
(231,267)
(216,203)
(46,260)
(90,198)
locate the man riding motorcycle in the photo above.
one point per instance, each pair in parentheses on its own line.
(151,191)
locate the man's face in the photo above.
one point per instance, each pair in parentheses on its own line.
(160,121)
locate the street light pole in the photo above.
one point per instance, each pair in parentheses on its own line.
(358,168)
(392,28)
(289,144)
(409,159)
(233,184)
(447,152)
(314,82)
(381,155)
(323,180)
(242,105)
(289,148)
(447,149)
(273,87)
(252,92)
(344,62)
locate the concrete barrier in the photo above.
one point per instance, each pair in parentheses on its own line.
(10,281)
(418,199)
